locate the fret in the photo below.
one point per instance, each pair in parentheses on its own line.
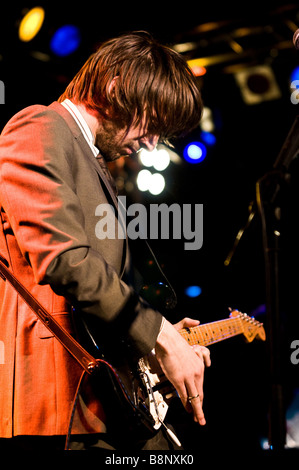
(214,332)
(238,323)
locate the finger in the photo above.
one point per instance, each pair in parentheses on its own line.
(193,396)
(186,323)
(195,404)
(203,353)
(207,357)
(188,398)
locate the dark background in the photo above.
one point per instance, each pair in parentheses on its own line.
(248,141)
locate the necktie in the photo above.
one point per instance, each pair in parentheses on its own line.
(107,173)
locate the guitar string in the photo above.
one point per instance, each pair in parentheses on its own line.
(218,330)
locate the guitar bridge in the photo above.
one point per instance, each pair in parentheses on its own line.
(154,400)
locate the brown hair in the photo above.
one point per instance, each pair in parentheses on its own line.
(153,82)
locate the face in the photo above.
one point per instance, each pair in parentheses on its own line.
(115,140)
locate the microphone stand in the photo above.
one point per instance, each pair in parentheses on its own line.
(268,189)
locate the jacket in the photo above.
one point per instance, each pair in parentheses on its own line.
(50,187)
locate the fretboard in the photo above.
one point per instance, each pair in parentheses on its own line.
(214,332)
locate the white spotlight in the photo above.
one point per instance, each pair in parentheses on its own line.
(146,157)
(161,159)
(157,184)
(143,180)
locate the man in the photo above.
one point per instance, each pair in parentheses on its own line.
(130,94)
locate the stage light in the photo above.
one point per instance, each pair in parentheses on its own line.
(195,152)
(158,158)
(65,40)
(31,24)
(257,84)
(208,138)
(157,184)
(161,160)
(295,75)
(207,122)
(294,85)
(143,180)
(197,68)
(154,183)
(145,157)
(193,291)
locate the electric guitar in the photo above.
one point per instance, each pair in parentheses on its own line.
(136,397)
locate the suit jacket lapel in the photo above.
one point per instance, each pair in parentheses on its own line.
(99,167)
(85,148)
(101,170)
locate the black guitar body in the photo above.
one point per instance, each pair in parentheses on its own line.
(120,385)
(128,419)
(120,389)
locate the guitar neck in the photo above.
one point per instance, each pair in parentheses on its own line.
(214,332)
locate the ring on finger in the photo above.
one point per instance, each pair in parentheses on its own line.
(192,398)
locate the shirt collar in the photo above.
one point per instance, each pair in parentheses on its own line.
(85,129)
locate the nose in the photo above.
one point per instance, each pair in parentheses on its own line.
(149,142)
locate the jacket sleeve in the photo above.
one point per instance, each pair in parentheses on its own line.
(38,193)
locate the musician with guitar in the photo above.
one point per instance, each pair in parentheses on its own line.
(83,355)
(130,94)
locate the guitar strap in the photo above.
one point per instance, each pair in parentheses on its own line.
(88,362)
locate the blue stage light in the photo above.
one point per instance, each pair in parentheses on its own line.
(208,138)
(195,152)
(193,291)
(295,74)
(65,40)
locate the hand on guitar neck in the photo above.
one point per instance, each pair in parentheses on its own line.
(183,365)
